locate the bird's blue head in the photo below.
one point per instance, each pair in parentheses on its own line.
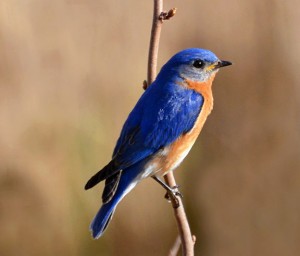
(193,64)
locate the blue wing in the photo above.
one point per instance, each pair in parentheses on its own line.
(163,113)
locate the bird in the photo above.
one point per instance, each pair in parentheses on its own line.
(160,130)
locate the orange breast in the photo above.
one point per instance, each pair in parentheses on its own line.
(172,156)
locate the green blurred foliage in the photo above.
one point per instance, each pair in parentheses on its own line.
(70,72)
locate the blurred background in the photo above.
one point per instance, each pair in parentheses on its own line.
(71,71)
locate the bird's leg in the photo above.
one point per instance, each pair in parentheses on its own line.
(171,192)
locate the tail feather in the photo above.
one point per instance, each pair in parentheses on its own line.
(102,219)
(109,170)
(127,182)
(111,185)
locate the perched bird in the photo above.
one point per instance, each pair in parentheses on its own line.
(160,130)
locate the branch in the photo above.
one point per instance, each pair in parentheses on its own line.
(158,17)
(182,223)
(154,40)
(187,240)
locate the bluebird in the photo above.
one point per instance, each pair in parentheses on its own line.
(160,130)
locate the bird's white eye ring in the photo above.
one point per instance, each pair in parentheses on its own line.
(198,64)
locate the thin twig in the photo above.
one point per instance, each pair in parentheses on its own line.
(158,17)
(187,239)
(180,216)
(175,248)
(154,40)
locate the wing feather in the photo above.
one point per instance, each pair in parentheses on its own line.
(160,117)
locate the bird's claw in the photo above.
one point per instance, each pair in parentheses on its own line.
(174,191)
(172,194)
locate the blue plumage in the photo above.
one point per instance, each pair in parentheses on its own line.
(166,111)
(162,114)
(128,181)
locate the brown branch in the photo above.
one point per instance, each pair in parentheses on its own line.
(180,216)
(184,230)
(154,40)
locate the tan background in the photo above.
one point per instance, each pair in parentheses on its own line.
(70,72)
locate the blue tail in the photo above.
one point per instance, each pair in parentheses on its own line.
(127,182)
(103,217)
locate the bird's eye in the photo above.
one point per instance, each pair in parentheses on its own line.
(198,64)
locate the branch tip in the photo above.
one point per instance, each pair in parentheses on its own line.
(167,15)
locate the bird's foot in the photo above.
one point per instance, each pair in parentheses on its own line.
(172,194)
(174,191)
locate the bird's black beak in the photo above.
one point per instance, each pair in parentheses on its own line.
(223,63)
